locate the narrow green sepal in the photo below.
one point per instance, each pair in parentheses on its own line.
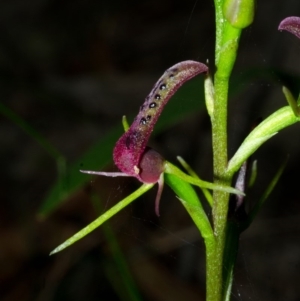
(265,195)
(173,170)
(291,101)
(205,191)
(125,123)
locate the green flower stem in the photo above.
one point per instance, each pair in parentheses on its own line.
(220,204)
(219,27)
(220,210)
(228,50)
(227,41)
(103,218)
(226,59)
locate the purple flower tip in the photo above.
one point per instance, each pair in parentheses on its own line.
(291,24)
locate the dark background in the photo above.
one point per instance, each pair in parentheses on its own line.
(71,69)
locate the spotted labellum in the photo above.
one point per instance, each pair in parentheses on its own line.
(131,153)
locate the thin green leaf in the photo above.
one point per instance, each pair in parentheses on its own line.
(102,218)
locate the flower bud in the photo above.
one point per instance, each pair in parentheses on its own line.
(239,13)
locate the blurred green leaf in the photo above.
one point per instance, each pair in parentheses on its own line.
(98,156)
(116,266)
(265,195)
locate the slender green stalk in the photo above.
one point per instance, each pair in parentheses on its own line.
(227,39)
(220,204)
(219,28)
